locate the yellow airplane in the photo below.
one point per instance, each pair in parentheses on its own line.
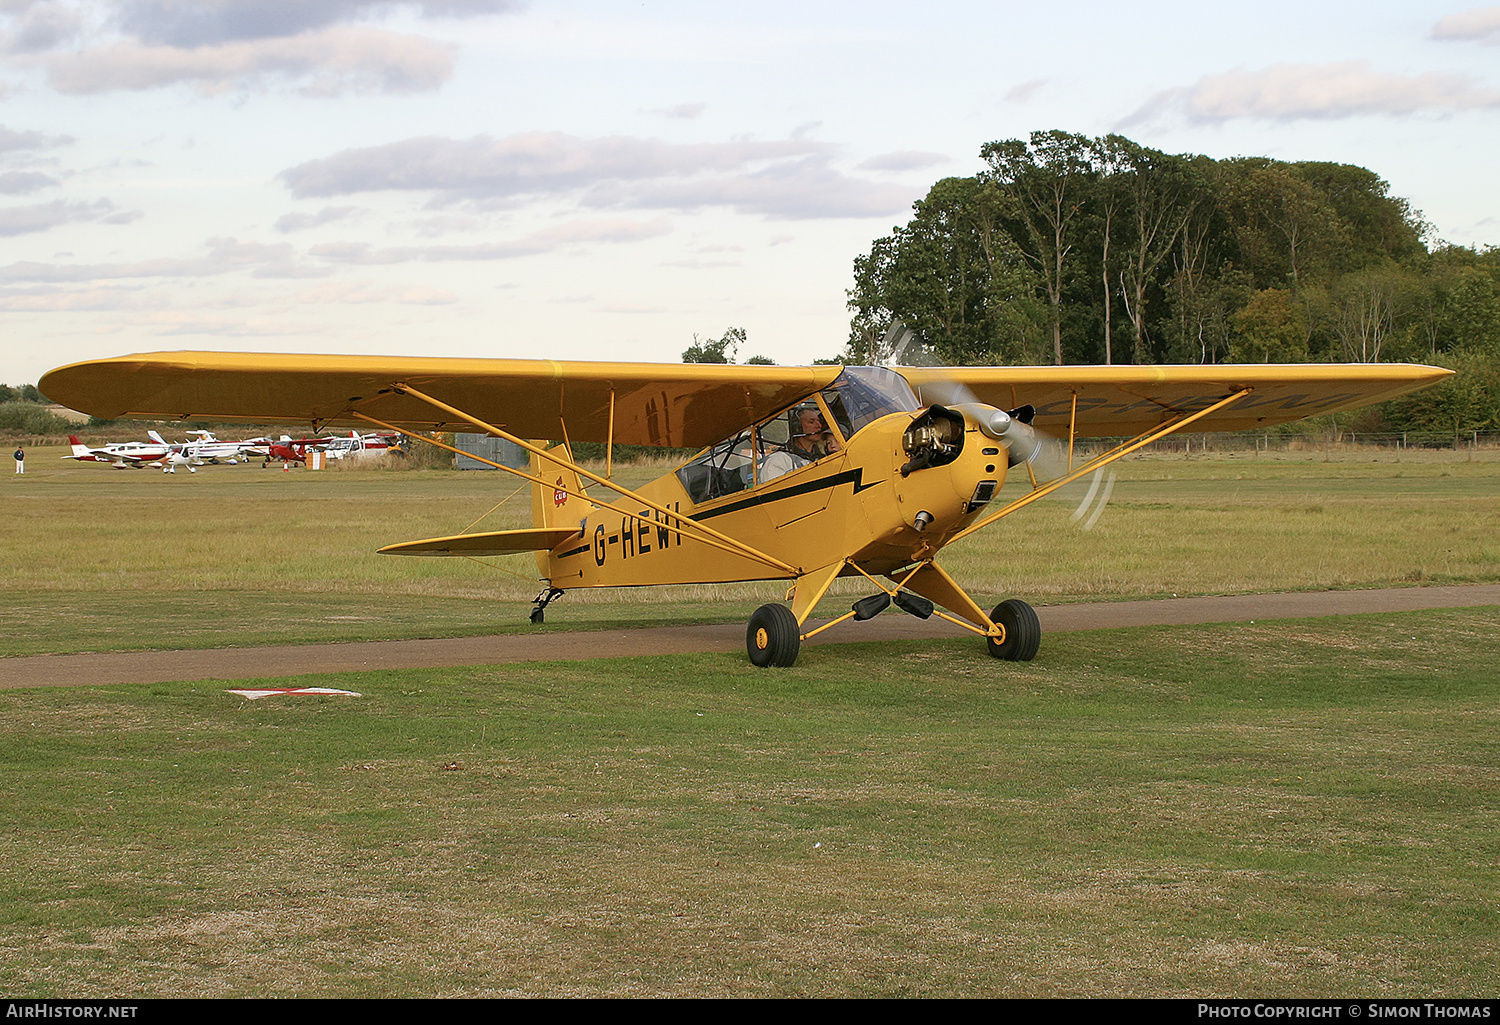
(805,474)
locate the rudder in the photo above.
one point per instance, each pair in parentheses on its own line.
(556,503)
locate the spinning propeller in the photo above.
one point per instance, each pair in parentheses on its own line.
(1044,457)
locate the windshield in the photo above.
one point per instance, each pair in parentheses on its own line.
(862,395)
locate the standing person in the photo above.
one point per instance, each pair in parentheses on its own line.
(20,454)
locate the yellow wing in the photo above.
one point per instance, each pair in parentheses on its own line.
(669,404)
(1116,401)
(691,404)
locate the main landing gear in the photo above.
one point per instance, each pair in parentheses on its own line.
(1023,633)
(774,636)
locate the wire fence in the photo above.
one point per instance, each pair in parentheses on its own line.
(1206,442)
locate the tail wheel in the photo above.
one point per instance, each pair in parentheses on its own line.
(1023,631)
(774,638)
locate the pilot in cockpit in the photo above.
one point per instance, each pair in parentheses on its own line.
(810,440)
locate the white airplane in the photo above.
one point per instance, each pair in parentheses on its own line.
(211,450)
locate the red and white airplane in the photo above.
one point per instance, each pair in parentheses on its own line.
(137,454)
(165,454)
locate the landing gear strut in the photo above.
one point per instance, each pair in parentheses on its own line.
(541,602)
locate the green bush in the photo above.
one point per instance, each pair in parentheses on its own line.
(30,418)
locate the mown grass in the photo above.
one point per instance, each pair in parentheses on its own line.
(1284,809)
(99,559)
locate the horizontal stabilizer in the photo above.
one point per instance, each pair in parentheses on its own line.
(495,542)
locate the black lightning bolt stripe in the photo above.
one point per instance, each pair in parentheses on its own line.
(855,477)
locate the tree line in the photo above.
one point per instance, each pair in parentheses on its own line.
(1072,249)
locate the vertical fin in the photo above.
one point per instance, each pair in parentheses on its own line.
(557,504)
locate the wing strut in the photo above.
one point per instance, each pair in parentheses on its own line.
(1118,452)
(705,534)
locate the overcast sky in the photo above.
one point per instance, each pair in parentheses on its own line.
(580,180)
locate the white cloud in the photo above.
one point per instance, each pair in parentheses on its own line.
(301,222)
(531,163)
(24,220)
(791,190)
(190,23)
(52,300)
(224,256)
(782,178)
(18,183)
(318,47)
(683,110)
(572,234)
(1025,91)
(1286,92)
(12,141)
(1479,24)
(41,26)
(329,62)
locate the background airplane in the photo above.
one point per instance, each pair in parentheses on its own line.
(137,454)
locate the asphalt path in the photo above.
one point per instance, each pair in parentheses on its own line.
(568,645)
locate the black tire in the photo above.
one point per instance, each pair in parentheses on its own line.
(774,638)
(1023,631)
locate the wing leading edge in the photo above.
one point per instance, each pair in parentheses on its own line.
(1116,401)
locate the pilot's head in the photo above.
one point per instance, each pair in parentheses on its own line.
(810,422)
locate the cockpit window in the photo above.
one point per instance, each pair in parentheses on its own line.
(724,469)
(798,436)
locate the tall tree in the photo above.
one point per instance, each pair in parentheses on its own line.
(1162,193)
(1110,163)
(952,275)
(1366,308)
(1046,181)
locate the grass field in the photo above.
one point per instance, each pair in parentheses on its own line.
(98,559)
(1285,809)
(1281,809)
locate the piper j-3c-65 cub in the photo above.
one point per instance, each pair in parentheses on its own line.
(805,474)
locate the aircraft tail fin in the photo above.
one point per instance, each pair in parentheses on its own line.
(79,448)
(557,505)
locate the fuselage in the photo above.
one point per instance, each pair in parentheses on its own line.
(855,500)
